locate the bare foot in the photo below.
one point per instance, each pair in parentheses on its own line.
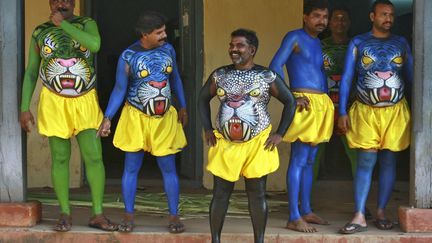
(301,226)
(314,219)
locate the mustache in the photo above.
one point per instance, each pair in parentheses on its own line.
(62,9)
(320,25)
(235,52)
(163,39)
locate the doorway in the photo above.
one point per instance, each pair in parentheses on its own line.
(116,21)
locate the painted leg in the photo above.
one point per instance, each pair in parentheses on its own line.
(171,186)
(91,150)
(362,181)
(132,166)
(222,190)
(351,153)
(318,159)
(387,177)
(306,190)
(60,155)
(298,161)
(258,210)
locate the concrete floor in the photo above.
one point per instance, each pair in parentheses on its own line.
(332,200)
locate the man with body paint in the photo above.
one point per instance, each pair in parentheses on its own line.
(242,144)
(334,48)
(62,51)
(146,73)
(301,53)
(378,122)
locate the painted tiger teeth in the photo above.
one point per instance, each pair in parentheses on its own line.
(246,132)
(152,106)
(57,84)
(77,82)
(374,96)
(393,94)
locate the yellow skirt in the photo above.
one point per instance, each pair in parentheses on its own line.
(160,136)
(379,127)
(230,160)
(64,117)
(315,125)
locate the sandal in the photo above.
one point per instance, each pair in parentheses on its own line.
(351,228)
(101,222)
(175,226)
(64,223)
(127,224)
(383,224)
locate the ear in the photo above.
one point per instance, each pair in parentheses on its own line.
(372,16)
(253,50)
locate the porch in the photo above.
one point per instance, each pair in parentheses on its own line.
(331,199)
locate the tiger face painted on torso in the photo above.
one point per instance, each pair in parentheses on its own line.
(244,96)
(380,61)
(149,70)
(67,66)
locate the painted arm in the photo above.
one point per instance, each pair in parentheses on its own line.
(347,77)
(408,65)
(29,84)
(177,84)
(208,91)
(280,90)
(283,53)
(89,37)
(117,96)
(345,87)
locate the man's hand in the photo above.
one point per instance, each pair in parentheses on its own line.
(272,141)
(56,17)
(344,124)
(182,116)
(302,103)
(104,128)
(210,138)
(26,118)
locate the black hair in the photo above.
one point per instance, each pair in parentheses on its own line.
(148,21)
(250,36)
(311,5)
(385,2)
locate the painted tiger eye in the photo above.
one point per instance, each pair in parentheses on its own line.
(220,92)
(255,92)
(83,49)
(169,69)
(144,73)
(367,60)
(398,60)
(47,49)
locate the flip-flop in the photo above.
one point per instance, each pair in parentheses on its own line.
(351,228)
(101,222)
(383,224)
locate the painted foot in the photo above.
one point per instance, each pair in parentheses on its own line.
(175,225)
(101,222)
(127,223)
(301,225)
(314,219)
(64,223)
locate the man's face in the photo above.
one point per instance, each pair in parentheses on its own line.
(156,38)
(339,22)
(383,17)
(316,21)
(65,7)
(240,51)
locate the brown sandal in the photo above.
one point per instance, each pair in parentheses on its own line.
(175,226)
(101,222)
(127,223)
(64,223)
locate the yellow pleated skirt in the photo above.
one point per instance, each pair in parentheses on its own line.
(315,125)
(65,117)
(379,127)
(230,160)
(159,136)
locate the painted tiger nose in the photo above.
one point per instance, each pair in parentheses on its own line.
(384,75)
(67,62)
(158,85)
